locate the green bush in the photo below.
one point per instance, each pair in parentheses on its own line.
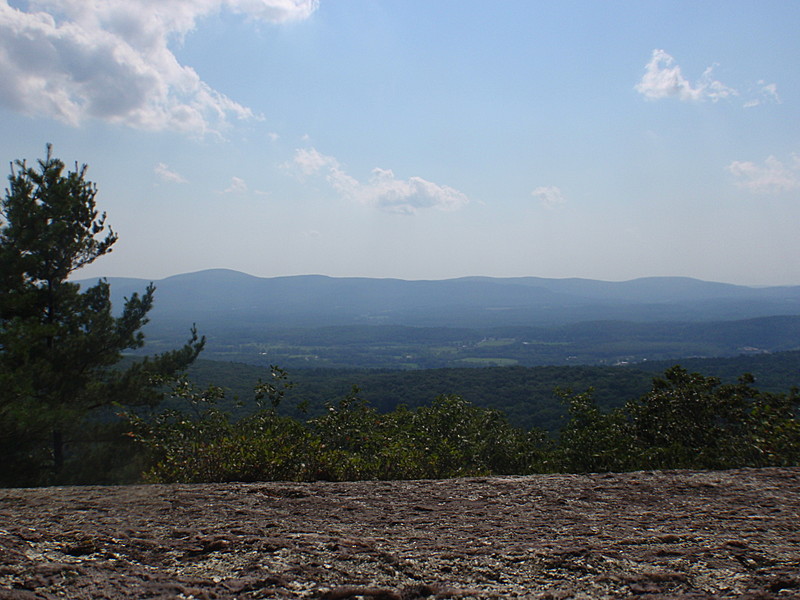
(450,438)
(686,421)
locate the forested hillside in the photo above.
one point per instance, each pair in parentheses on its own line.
(586,343)
(525,395)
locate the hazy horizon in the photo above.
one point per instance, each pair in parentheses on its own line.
(79,276)
(421,141)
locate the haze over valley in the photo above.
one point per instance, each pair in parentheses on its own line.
(317,321)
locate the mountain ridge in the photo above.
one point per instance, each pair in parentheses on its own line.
(317,320)
(523,299)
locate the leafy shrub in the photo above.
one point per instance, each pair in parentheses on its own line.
(685,421)
(450,438)
(592,440)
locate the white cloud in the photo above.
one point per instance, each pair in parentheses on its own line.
(166,174)
(310,161)
(771,177)
(550,196)
(383,190)
(237,186)
(770,91)
(663,79)
(73,60)
(766,93)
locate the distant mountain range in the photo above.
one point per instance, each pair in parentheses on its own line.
(316,300)
(235,308)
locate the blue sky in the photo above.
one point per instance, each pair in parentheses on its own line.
(421,139)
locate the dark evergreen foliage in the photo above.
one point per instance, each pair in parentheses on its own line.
(58,343)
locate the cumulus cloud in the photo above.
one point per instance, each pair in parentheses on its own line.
(383,189)
(166,174)
(74,60)
(550,196)
(771,177)
(664,79)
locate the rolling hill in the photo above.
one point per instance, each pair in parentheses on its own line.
(315,320)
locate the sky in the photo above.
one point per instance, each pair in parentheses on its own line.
(420,139)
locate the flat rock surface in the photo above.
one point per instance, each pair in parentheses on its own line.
(676,534)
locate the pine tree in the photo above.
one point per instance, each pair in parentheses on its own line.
(60,345)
